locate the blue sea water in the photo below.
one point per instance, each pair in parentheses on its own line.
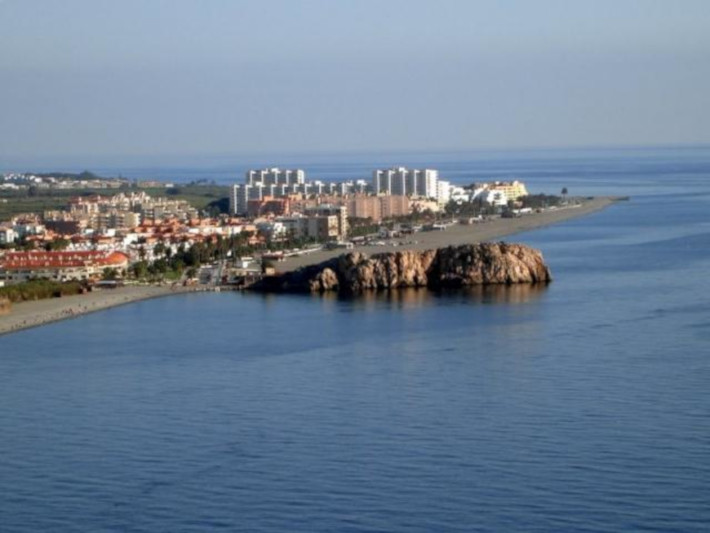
(581,406)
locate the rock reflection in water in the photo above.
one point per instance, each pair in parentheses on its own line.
(412,298)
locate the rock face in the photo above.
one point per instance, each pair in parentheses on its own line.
(453,266)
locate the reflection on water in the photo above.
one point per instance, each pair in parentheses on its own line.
(575,407)
(500,294)
(412,298)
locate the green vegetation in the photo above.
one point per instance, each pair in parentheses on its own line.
(40,289)
(57,245)
(110,274)
(16,205)
(470,209)
(362,227)
(170,265)
(477,207)
(213,198)
(540,201)
(85,175)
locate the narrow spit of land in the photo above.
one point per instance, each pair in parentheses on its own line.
(36,313)
(461,234)
(31,314)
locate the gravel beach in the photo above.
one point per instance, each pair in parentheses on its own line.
(36,313)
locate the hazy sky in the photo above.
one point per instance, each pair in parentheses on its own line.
(107,77)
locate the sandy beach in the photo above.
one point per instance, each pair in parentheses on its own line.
(36,313)
(495,229)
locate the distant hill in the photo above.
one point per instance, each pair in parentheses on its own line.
(86,175)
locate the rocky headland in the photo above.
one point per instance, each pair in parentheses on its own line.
(452,266)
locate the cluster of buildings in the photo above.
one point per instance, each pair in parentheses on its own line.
(392,192)
(21,227)
(281,187)
(271,204)
(322,223)
(280,191)
(19,181)
(119,212)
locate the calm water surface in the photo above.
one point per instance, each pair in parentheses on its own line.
(583,406)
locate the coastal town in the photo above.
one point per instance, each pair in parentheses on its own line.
(125,235)
(274,214)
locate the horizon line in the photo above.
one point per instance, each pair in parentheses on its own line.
(320,153)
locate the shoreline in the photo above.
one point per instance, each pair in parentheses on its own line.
(37,313)
(457,234)
(32,314)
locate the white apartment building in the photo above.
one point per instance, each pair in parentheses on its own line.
(241,194)
(402,181)
(443,192)
(275,176)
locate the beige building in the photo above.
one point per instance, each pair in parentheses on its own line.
(322,228)
(511,189)
(378,207)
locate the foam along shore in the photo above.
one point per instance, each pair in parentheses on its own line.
(38,312)
(459,234)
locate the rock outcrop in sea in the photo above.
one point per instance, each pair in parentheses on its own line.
(453,266)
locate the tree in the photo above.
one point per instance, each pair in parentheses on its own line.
(159,249)
(139,269)
(57,244)
(178,266)
(564,191)
(109,274)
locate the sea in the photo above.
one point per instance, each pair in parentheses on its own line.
(581,406)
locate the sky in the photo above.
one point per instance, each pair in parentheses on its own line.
(147,77)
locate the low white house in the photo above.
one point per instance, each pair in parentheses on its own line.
(494,197)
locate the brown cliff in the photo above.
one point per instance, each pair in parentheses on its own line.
(453,266)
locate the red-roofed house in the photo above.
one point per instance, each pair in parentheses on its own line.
(16,267)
